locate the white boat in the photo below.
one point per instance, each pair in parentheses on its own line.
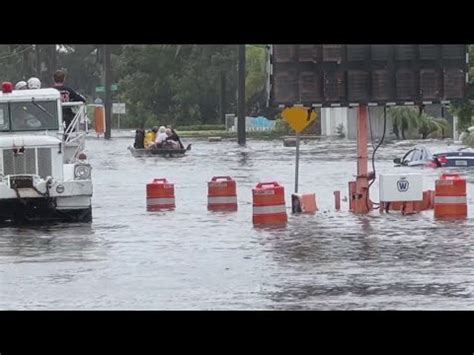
(44,172)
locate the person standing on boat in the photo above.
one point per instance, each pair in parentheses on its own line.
(67,95)
(160,137)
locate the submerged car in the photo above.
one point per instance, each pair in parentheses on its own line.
(421,155)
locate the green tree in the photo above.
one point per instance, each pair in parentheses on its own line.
(255,78)
(175,84)
(401,118)
(407,117)
(17,62)
(428,125)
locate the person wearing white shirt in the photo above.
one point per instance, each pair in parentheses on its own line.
(160,137)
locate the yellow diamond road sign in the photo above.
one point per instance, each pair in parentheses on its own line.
(298,117)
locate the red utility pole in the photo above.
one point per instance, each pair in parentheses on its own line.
(362,203)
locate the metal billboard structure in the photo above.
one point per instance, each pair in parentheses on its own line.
(337,75)
(353,75)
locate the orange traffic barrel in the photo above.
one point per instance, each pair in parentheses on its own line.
(450,199)
(99,119)
(160,195)
(269,203)
(221,194)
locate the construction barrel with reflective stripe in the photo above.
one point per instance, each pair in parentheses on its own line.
(269,203)
(450,199)
(160,195)
(222,195)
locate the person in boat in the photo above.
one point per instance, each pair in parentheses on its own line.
(172,140)
(150,137)
(139,139)
(174,137)
(160,137)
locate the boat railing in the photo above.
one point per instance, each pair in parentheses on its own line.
(74,133)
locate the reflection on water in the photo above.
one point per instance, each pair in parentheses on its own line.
(191,258)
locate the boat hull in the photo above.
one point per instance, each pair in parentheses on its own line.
(157,152)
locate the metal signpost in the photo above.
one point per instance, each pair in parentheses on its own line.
(118,108)
(298,118)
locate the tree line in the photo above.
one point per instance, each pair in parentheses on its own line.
(172,84)
(180,84)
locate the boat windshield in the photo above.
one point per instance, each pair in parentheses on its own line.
(29,116)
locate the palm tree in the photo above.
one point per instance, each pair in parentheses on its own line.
(469,140)
(412,117)
(403,118)
(429,125)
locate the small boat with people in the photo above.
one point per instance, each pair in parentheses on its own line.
(421,155)
(163,141)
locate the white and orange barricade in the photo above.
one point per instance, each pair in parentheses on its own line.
(450,200)
(222,194)
(303,203)
(269,203)
(160,195)
(410,207)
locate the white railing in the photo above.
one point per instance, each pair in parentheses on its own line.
(74,133)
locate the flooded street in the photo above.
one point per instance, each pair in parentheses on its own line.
(191,258)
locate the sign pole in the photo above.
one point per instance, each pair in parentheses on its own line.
(297,163)
(241,96)
(108,92)
(118,123)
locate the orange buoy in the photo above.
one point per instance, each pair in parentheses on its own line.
(99,119)
(269,203)
(305,203)
(222,194)
(450,199)
(160,195)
